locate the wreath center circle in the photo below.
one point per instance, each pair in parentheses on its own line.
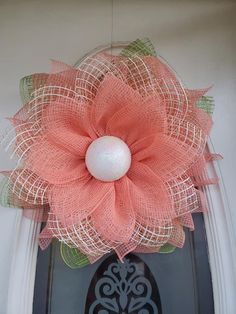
(108,158)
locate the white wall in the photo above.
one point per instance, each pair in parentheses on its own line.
(196,37)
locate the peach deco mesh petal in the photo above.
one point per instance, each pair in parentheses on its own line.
(111,154)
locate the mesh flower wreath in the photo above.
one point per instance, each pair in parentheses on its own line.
(111,153)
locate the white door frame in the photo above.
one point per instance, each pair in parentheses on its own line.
(23,265)
(221,238)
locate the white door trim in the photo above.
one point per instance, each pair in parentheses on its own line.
(221,238)
(23,266)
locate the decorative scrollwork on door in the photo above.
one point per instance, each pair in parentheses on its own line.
(123,288)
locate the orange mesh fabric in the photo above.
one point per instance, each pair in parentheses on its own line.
(140,100)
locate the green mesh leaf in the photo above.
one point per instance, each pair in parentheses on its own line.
(26,88)
(29,83)
(139,47)
(7,198)
(5,193)
(73,257)
(167,248)
(206,103)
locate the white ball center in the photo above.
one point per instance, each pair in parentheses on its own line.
(108,158)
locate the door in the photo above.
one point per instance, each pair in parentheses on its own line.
(178,282)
